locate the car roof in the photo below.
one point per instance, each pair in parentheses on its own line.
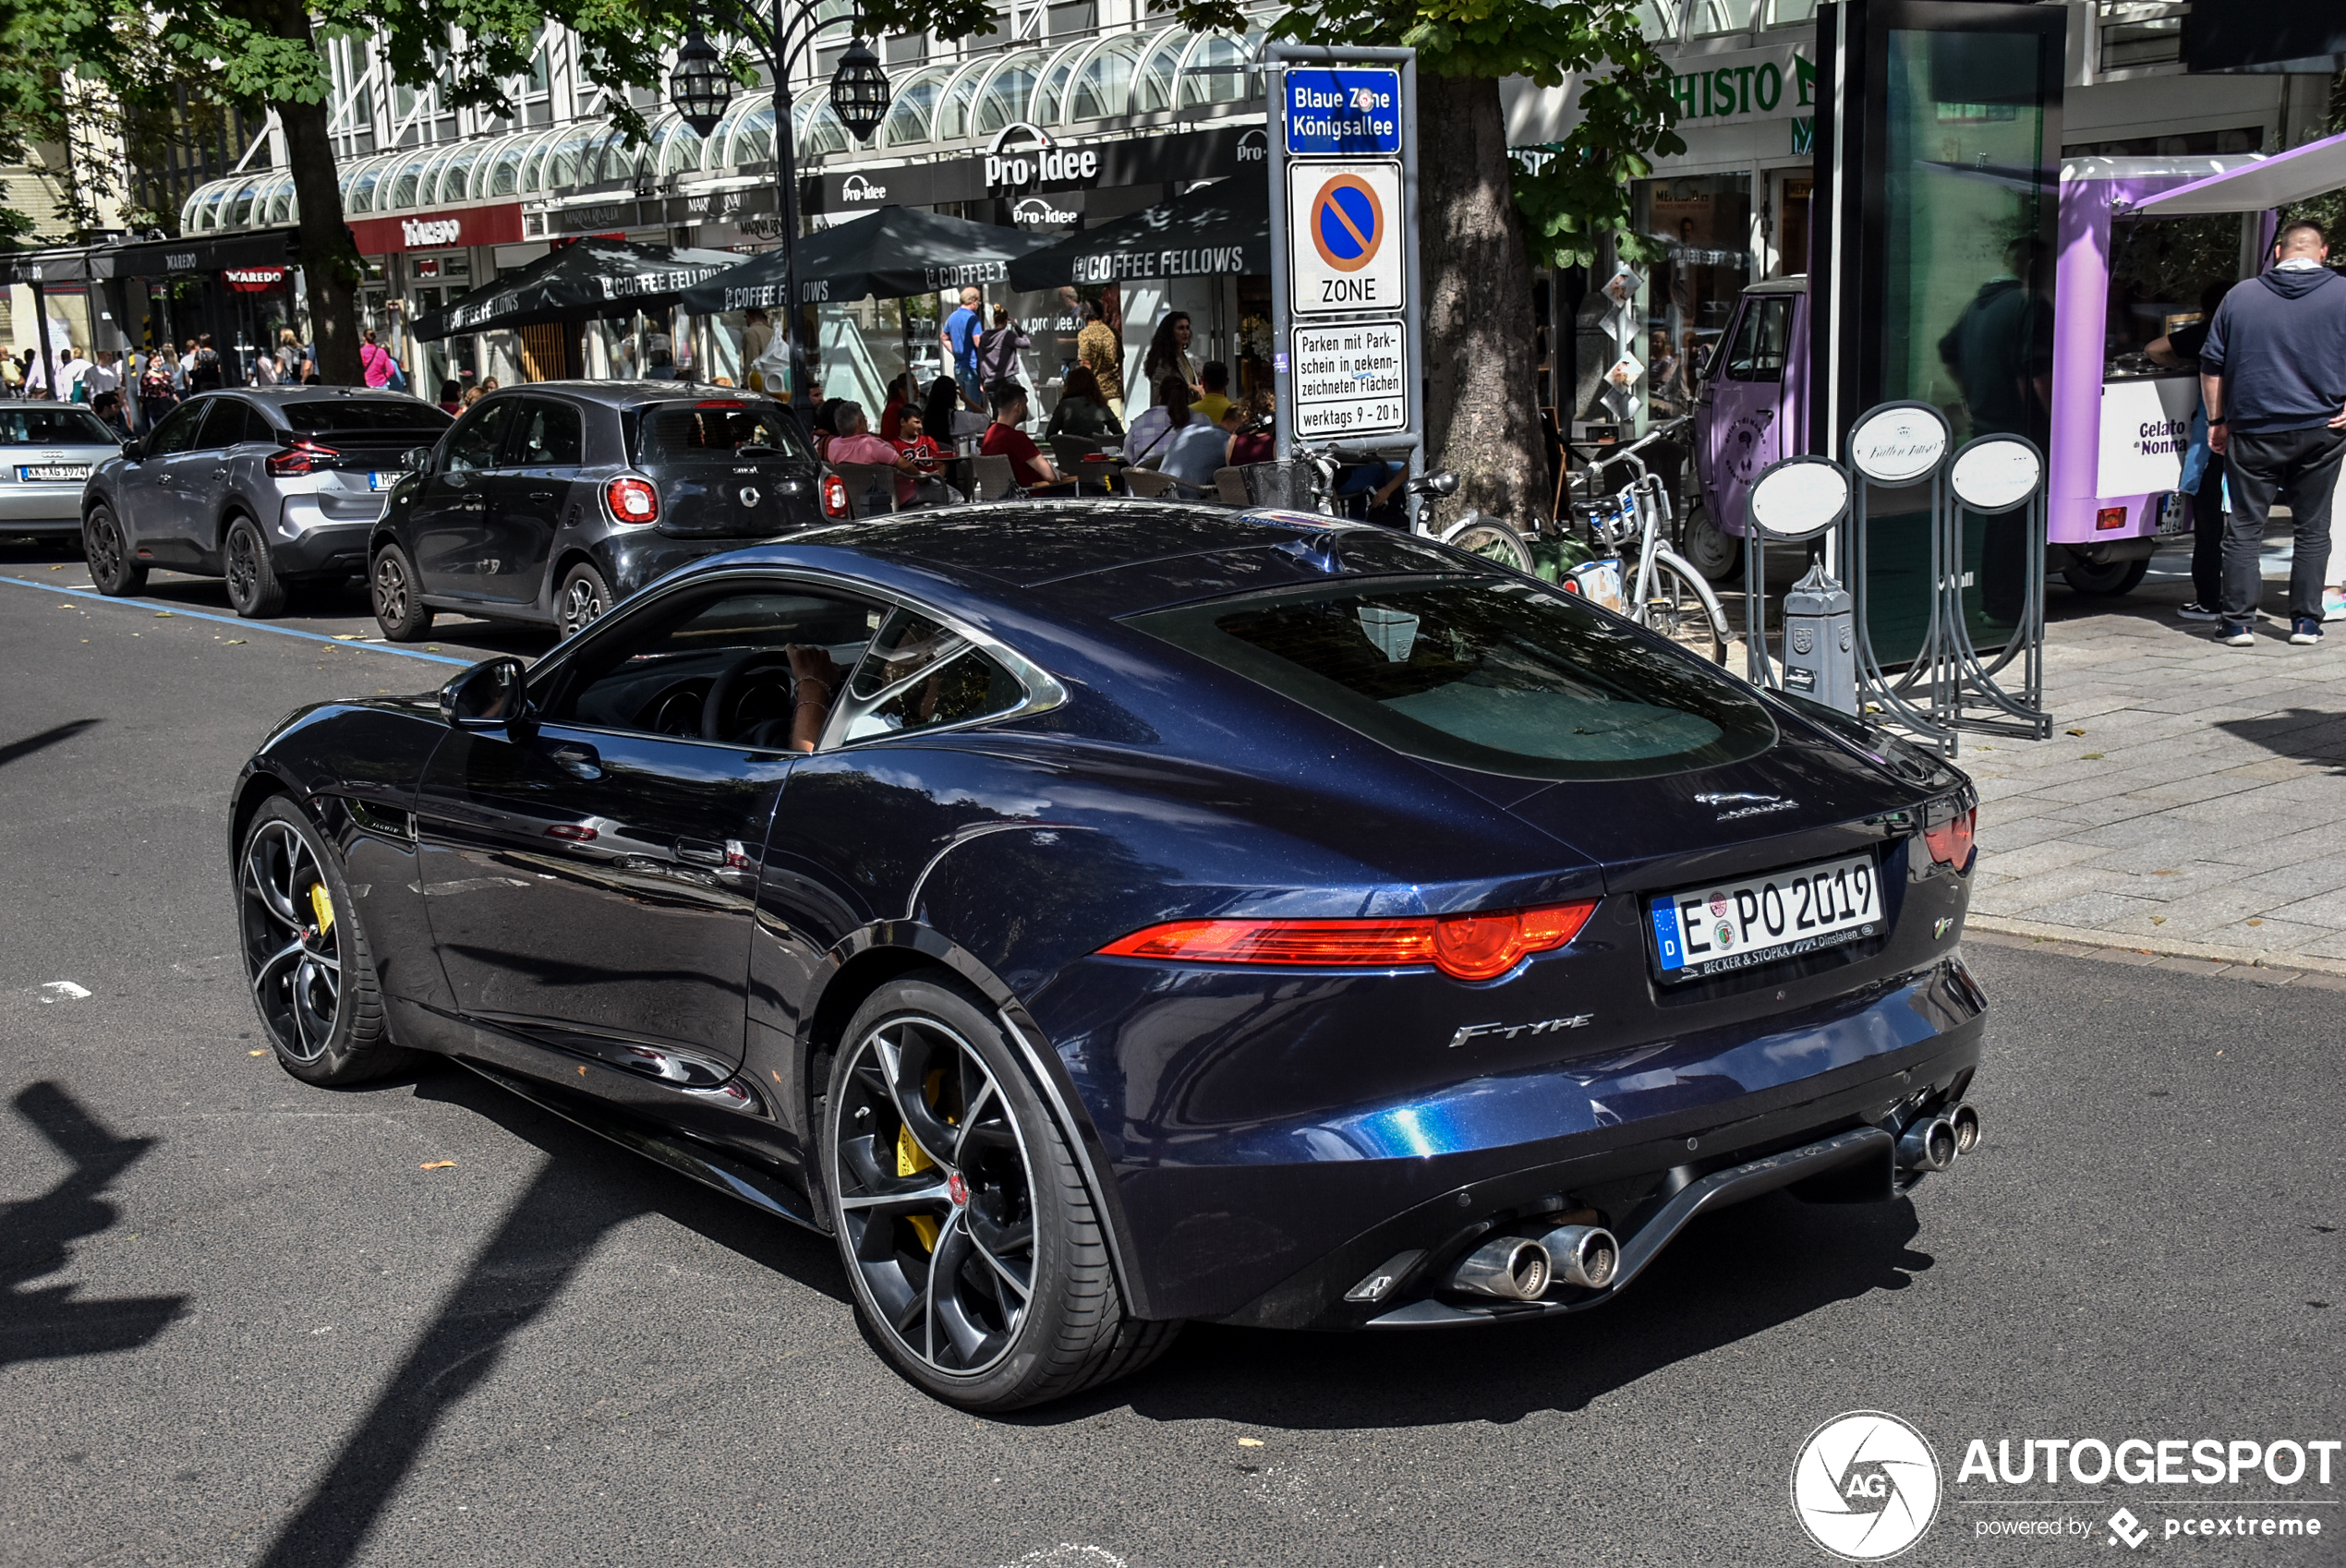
(626,395)
(1112,557)
(312,394)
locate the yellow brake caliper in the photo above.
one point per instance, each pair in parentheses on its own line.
(321,904)
(911,1160)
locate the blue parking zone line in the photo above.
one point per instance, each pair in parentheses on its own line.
(236,621)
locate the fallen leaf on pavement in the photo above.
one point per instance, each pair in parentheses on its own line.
(2076,731)
(1249,1442)
(233,642)
(162,615)
(349,637)
(437,1165)
(256,1053)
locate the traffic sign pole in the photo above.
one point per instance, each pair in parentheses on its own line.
(1343,193)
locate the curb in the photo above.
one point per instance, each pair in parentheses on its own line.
(2194,958)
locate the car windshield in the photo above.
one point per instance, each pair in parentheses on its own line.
(53,426)
(715,430)
(1496,675)
(364,417)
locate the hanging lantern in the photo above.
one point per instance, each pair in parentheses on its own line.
(699,88)
(860,93)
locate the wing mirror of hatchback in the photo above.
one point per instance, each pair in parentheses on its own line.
(130,448)
(489,695)
(416,459)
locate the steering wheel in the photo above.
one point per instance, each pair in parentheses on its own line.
(726,688)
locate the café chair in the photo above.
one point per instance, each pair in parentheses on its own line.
(992,478)
(871,490)
(1229,487)
(1147,484)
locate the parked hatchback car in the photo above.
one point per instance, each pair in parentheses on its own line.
(549,503)
(267,488)
(47,450)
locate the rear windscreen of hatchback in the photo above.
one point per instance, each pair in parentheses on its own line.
(715,431)
(1498,676)
(362,418)
(53,426)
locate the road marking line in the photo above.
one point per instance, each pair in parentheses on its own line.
(232,621)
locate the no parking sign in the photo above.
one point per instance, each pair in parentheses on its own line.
(1343,257)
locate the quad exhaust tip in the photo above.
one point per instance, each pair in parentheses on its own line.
(1587,1256)
(1513,1268)
(1930,1143)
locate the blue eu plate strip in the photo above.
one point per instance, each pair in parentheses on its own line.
(1665,935)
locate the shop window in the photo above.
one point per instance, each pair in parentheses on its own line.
(1072,17)
(1790,13)
(1007,93)
(1104,87)
(1713,16)
(909,115)
(1219,70)
(1152,93)
(1704,224)
(953,115)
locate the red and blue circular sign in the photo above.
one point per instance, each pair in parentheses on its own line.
(1347,223)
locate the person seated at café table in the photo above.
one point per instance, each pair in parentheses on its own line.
(919,457)
(1082,412)
(856,443)
(1214,391)
(1251,436)
(1196,446)
(1150,436)
(1029,467)
(902,393)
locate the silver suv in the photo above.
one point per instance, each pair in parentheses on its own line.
(267,488)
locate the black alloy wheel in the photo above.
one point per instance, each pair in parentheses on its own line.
(971,1241)
(583,600)
(307,960)
(111,567)
(391,584)
(255,591)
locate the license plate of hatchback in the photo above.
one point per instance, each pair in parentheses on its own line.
(51,473)
(1756,919)
(379,480)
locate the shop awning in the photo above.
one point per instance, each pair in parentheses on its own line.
(889,253)
(1215,230)
(588,281)
(2281,180)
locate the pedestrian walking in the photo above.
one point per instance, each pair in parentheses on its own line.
(374,362)
(2203,475)
(1169,355)
(1099,350)
(103,376)
(206,374)
(961,333)
(998,349)
(158,390)
(2272,376)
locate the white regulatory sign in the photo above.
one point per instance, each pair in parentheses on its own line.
(1351,379)
(1346,233)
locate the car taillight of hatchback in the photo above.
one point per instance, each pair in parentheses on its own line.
(835,497)
(632,500)
(301,457)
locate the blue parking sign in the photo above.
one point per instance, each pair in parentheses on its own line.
(1342,111)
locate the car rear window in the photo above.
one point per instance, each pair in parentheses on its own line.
(1491,674)
(53,426)
(364,417)
(715,432)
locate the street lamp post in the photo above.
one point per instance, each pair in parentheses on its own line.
(701,89)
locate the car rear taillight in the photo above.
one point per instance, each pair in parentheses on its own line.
(1949,833)
(1470,946)
(301,457)
(835,497)
(632,500)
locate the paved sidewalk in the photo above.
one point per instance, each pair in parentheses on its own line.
(2193,797)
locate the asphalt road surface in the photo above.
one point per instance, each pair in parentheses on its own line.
(247,1322)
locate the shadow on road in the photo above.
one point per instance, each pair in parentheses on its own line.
(2304,734)
(36,1238)
(47,738)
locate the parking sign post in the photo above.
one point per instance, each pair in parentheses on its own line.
(1346,338)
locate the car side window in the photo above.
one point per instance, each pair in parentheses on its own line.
(1758,352)
(223,425)
(921,674)
(476,441)
(256,426)
(551,435)
(729,666)
(177,433)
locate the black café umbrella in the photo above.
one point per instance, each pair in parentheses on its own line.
(891,253)
(587,280)
(1215,230)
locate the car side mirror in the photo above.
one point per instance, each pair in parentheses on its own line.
(130,448)
(416,459)
(489,695)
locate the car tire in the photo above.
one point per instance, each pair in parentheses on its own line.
(583,600)
(391,588)
(255,591)
(307,965)
(2110,580)
(113,569)
(1710,549)
(1022,1200)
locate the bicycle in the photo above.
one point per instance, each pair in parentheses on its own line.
(1476,534)
(1664,592)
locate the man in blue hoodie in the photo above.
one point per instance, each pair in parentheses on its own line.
(2272,376)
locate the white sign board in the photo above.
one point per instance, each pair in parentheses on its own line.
(1347,234)
(1351,379)
(1897,443)
(1995,475)
(2145,426)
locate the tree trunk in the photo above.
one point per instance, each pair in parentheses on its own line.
(329,261)
(1483,403)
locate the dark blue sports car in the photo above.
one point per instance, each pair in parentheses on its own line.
(1103,916)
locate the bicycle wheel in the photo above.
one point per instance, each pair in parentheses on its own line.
(1492,540)
(1681,606)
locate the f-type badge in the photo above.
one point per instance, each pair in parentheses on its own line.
(1509,1030)
(1746,804)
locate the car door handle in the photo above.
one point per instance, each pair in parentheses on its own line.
(542,495)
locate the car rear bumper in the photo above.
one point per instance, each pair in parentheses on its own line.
(306,542)
(1271,1225)
(40,508)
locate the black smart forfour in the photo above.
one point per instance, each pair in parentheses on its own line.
(551,503)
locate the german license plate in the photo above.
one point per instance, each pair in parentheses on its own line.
(2174,513)
(381,481)
(51,473)
(1754,920)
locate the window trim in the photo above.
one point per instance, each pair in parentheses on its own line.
(1043,691)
